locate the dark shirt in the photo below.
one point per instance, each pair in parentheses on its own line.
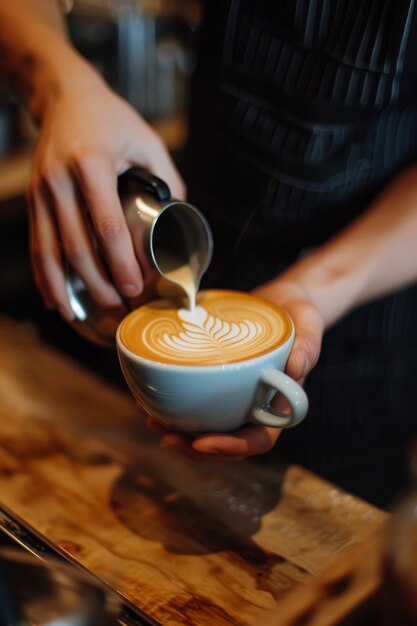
(302,111)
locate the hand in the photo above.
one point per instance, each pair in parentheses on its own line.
(88,137)
(253,439)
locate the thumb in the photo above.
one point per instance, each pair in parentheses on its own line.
(309,326)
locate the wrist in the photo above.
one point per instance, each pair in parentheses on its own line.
(333,282)
(54,77)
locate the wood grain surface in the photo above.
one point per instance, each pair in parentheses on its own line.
(346,583)
(205,544)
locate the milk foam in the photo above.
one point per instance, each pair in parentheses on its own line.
(225,327)
(202,333)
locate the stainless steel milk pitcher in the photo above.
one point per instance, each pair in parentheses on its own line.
(166,233)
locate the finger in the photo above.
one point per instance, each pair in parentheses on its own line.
(46,254)
(308,325)
(76,241)
(247,441)
(174,441)
(156,426)
(98,184)
(156,158)
(34,258)
(183,444)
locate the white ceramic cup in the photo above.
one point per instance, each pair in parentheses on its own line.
(215,398)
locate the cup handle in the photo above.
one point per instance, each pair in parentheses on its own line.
(262,413)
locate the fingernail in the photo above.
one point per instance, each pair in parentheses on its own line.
(130,289)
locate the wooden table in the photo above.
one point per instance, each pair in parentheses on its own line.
(206,544)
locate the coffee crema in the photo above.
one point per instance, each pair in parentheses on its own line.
(225,327)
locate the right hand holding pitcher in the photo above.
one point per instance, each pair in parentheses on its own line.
(254,439)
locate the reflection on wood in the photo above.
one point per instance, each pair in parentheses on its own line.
(330,597)
(189,543)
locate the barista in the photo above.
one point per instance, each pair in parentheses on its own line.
(302,146)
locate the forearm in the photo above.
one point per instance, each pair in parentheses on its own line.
(374,256)
(35,55)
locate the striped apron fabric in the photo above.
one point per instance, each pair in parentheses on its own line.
(301,112)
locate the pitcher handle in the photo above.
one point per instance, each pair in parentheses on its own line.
(136,177)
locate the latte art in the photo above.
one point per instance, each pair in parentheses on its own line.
(202,333)
(225,327)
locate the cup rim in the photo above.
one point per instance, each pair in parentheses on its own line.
(159,365)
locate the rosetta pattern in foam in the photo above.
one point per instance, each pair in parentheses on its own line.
(202,335)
